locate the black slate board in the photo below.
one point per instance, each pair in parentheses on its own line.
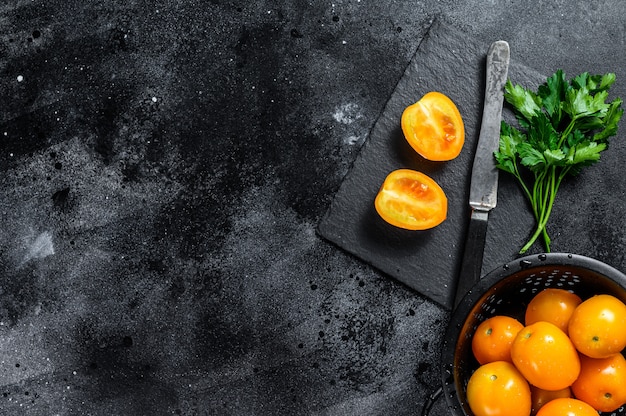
(448,61)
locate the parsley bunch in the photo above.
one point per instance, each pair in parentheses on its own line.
(563,127)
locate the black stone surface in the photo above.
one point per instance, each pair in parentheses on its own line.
(164,166)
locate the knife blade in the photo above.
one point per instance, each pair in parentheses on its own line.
(484,178)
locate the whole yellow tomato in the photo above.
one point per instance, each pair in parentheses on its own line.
(598,326)
(567,407)
(493,338)
(602,382)
(498,389)
(545,356)
(540,397)
(552,305)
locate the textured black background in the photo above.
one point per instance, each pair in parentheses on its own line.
(164,166)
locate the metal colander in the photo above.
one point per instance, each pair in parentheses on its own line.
(507,291)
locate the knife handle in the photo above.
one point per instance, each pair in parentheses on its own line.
(471,266)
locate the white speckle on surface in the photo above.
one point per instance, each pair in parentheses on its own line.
(352,140)
(41,248)
(347,113)
(20,78)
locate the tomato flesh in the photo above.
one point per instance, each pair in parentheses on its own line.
(434,128)
(411,200)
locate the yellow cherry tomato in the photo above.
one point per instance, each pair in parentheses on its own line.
(598,326)
(545,356)
(498,389)
(552,305)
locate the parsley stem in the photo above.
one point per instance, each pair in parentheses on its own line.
(568,130)
(542,200)
(542,206)
(522,183)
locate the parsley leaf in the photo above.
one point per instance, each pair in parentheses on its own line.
(527,103)
(563,127)
(510,137)
(551,93)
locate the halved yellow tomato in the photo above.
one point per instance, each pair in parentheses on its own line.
(411,200)
(434,128)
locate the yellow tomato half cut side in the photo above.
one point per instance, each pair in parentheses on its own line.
(434,128)
(411,200)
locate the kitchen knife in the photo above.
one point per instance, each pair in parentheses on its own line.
(484,179)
